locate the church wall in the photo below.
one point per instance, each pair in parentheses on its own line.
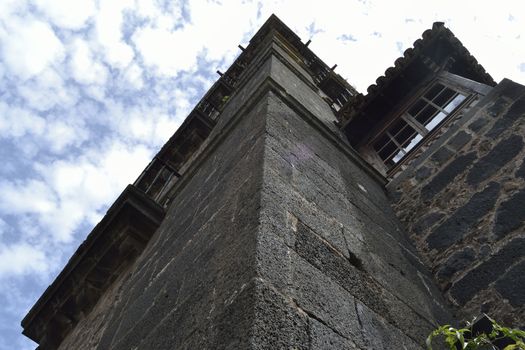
(464,207)
(278,235)
(333,263)
(192,286)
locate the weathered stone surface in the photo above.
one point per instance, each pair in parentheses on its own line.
(463,220)
(322,299)
(423,173)
(512,285)
(278,236)
(487,272)
(359,284)
(427,222)
(504,122)
(497,106)
(341,270)
(470,219)
(323,337)
(447,175)
(510,89)
(459,140)
(498,157)
(478,124)
(456,262)
(207,239)
(442,155)
(521,171)
(379,334)
(278,324)
(510,214)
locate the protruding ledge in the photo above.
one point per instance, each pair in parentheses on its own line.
(111,247)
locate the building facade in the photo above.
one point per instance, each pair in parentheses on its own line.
(291,212)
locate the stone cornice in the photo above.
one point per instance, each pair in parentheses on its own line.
(109,249)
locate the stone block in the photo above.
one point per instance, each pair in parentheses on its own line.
(512,285)
(323,337)
(506,120)
(442,155)
(324,300)
(510,215)
(423,173)
(458,261)
(464,219)
(502,153)
(497,107)
(521,171)
(488,271)
(478,123)
(447,175)
(426,222)
(378,334)
(364,288)
(278,323)
(459,140)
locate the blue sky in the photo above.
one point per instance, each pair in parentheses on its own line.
(90,90)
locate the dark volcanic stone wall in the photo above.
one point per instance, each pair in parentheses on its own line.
(278,236)
(331,256)
(193,285)
(464,206)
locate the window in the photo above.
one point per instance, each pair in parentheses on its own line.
(420,118)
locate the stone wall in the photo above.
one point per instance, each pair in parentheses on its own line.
(278,236)
(463,204)
(332,256)
(193,285)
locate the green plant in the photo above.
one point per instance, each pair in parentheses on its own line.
(469,338)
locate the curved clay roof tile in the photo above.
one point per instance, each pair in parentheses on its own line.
(381,80)
(371,89)
(389,72)
(438,30)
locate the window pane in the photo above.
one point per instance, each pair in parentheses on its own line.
(417,107)
(454,103)
(434,91)
(413,142)
(387,151)
(444,97)
(397,127)
(397,157)
(426,114)
(406,135)
(381,142)
(435,121)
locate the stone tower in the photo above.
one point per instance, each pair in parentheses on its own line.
(291,212)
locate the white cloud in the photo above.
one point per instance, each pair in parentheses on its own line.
(81,187)
(3,227)
(85,68)
(60,135)
(52,134)
(21,259)
(167,51)
(161,17)
(10,8)
(108,30)
(22,197)
(133,76)
(29,46)
(66,13)
(16,122)
(48,90)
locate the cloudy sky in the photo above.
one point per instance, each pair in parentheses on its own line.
(89,91)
